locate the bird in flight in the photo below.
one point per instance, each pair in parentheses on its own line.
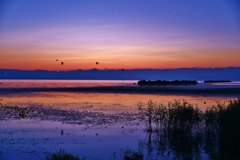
(97,63)
(61,63)
(56,59)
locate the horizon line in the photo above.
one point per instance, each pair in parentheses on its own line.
(121,69)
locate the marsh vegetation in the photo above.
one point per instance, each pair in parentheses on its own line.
(173,130)
(128,155)
(180,130)
(63,155)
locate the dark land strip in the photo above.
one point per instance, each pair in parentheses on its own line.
(166,90)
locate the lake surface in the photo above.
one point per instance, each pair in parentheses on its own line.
(95,124)
(63,83)
(89,83)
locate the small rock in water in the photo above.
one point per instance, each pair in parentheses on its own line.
(62,132)
(122,127)
(96,134)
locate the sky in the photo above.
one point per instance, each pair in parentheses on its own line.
(129,34)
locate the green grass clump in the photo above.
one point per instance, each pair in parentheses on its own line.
(62,155)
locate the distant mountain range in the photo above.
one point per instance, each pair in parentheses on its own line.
(229,73)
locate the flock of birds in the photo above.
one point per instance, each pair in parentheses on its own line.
(62,63)
(80,69)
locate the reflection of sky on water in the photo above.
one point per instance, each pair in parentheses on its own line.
(81,116)
(10,84)
(102,102)
(63,83)
(33,139)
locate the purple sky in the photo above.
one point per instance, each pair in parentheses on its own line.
(121,34)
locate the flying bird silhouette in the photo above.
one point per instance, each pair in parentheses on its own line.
(61,63)
(97,63)
(56,59)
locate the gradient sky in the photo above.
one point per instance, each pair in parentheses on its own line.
(119,34)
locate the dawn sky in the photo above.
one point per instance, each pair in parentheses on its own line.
(126,34)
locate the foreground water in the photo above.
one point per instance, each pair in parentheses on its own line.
(94,124)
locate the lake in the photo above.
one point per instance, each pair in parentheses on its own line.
(95,122)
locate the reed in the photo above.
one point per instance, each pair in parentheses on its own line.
(184,131)
(175,115)
(63,155)
(147,114)
(128,155)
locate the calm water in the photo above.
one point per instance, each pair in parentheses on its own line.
(94,124)
(63,83)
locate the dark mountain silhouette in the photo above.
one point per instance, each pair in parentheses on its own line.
(229,73)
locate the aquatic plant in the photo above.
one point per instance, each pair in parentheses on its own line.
(128,155)
(16,112)
(229,131)
(184,132)
(175,129)
(147,114)
(63,155)
(175,115)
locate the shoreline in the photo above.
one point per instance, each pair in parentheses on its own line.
(166,90)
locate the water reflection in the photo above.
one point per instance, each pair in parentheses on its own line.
(63,83)
(178,130)
(104,102)
(187,134)
(172,144)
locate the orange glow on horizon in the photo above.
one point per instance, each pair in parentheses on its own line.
(115,57)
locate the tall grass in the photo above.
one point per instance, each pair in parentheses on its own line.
(63,155)
(176,115)
(128,155)
(182,130)
(229,131)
